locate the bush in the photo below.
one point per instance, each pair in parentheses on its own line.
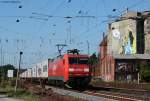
(145,73)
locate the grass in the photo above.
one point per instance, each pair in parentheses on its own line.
(19,94)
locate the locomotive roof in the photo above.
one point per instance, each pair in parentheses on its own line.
(70,55)
(77,55)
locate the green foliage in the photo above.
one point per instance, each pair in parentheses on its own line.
(4,69)
(95,81)
(93,62)
(20,94)
(93,59)
(145,72)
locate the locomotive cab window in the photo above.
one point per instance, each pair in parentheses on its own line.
(83,61)
(78,60)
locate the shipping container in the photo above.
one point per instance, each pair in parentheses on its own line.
(39,70)
(29,72)
(44,69)
(34,73)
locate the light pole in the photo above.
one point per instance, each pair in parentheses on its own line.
(88,47)
(18,72)
(20,62)
(1,61)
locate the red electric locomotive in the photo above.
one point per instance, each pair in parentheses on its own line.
(71,68)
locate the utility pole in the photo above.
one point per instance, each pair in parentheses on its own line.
(88,47)
(70,38)
(18,72)
(138,77)
(60,47)
(1,61)
(1,53)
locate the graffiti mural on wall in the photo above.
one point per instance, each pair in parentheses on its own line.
(124,66)
(125,71)
(128,46)
(116,33)
(124,38)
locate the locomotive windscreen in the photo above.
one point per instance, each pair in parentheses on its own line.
(74,60)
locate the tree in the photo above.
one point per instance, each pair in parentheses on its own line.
(93,62)
(145,72)
(4,69)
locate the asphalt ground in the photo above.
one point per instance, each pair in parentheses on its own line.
(5,98)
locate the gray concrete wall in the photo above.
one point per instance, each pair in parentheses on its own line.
(118,37)
(147,35)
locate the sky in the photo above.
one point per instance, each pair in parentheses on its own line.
(36,26)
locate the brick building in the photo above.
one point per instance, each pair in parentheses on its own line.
(124,47)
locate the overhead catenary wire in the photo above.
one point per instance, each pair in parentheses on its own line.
(52,13)
(66,17)
(40,14)
(10,1)
(136,4)
(80,12)
(131,6)
(29,17)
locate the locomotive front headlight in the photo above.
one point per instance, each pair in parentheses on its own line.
(71,69)
(86,69)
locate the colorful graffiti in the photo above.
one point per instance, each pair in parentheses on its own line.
(124,37)
(128,45)
(116,33)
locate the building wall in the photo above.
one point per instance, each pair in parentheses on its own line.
(147,35)
(123,37)
(107,68)
(107,64)
(126,70)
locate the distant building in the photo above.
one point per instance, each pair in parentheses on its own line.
(124,47)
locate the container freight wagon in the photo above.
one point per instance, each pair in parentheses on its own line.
(29,73)
(70,69)
(22,75)
(34,73)
(39,70)
(44,65)
(42,69)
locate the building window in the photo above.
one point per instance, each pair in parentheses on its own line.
(104,69)
(147,21)
(107,68)
(110,67)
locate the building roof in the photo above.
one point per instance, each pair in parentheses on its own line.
(104,41)
(132,56)
(130,14)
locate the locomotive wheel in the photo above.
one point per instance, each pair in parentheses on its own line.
(78,83)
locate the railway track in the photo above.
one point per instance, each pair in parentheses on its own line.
(96,94)
(124,92)
(117,96)
(107,94)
